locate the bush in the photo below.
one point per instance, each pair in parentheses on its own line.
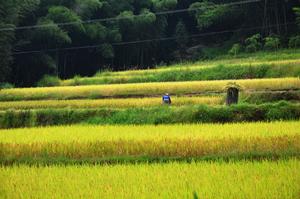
(17,119)
(236,49)
(6,85)
(294,42)
(272,43)
(253,43)
(49,81)
(77,80)
(156,115)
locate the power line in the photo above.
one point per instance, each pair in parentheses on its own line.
(147,40)
(121,18)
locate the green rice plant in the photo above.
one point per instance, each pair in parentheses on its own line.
(151,115)
(283,68)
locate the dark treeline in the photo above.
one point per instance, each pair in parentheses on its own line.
(48,26)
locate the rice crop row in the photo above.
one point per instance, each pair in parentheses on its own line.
(109,103)
(196,143)
(198,66)
(210,180)
(145,89)
(283,146)
(215,72)
(97,133)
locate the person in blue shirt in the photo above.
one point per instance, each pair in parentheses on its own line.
(166,99)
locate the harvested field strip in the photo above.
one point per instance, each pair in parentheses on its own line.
(109,103)
(210,180)
(145,89)
(272,139)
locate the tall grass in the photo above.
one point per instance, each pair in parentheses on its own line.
(152,115)
(173,142)
(210,180)
(185,73)
(145,89)
(109,103)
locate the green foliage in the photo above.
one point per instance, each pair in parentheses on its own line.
(297,12)
(107,50)
(164,4)
(96,31)
(294,42)
(8,19)
(156,115)
(11,13)
(28,6)
(265,97)
(253,43)
(86,8)
(76,80)
(207,13)
(146,17)
(16,119)
(217,72)
(272,43)
(181,35)
(236,49)
(61,14)
(6,38)
(6,85)
(50,33)
(48,81)
(126,18)
(137,21)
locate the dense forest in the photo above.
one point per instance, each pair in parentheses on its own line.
(80,37)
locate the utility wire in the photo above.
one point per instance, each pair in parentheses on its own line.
(120,18)
(146,40)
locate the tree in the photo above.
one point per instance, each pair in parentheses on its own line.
(135,39)
(297,13)
(164,4)
(272,43)
(207,13)
(10,13)
(50,33)
(236,48)
(294,42)
(182,39)
(61,14)
(253,43)
(87,8)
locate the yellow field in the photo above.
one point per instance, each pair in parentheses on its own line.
(194,67)
(209,180)
(88,133)
(183,141)
(145,89)
(109,103)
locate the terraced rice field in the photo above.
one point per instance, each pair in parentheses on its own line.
(111,103)
(182,160)
(145,89)
(148,142)
(210,70)
(210,180)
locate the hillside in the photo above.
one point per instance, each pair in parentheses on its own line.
(113,127)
